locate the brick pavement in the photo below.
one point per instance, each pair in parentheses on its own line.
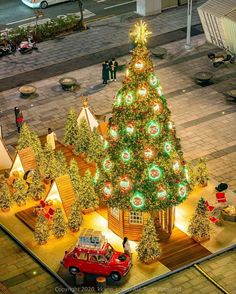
(79,49)
(19,273)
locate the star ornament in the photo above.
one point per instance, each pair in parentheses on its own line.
(141,33)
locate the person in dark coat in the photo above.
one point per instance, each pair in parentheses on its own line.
(105,72)
(19,118)
(113,66)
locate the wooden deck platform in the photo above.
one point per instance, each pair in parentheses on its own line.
(28,217)
(180,250)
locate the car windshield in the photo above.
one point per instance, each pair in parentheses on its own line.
(109,252)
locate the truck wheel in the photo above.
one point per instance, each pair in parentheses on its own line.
(73,270)
(44,4)
(115,276)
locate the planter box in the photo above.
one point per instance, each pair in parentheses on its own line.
(201,239)
(88,210)
(68,84)
(151,261)
(5,209)
(27,91)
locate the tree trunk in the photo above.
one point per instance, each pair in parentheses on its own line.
(164,222)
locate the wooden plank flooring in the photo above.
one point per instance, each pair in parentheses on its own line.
(28,217)
(180,250)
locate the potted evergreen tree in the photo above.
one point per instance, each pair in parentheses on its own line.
(199,227)
(58,224)
(86,196)
(36,188)
(95,149)
(71,135)
(75,218)
(41,232)
(84,139)
(61,164)
(149,248)
(5,198)
(20,191)
(74,175)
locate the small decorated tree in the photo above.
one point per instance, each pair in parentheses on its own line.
(48,164)
(36,188)
(84,138)
(58,224)
(201,171)
(71,135)
(75,218)
(41,232)
(25,139)
(61,164)
(20,191)
(5,197)
(199,227)
(191,175)
(95,150)
(74,175)
(87,198)
(149,248)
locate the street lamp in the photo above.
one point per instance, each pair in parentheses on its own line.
(188,44)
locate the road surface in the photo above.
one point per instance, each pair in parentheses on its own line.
(14,13)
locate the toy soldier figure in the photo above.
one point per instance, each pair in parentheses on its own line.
(51,138)
(113,66)
(19,118)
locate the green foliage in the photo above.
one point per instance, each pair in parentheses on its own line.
(74,175)
(61,165)
(95,148)
(75,217)
(58,224)
(45,31)
(48,164)
(36,188)
(86,196)
(141,125)
(5,196)
(149,248)
(84,138)
(41,233)
(71,136)
(20,191)
(199,223)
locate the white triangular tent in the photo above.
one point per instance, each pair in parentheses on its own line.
(62,193)
(24,161)
(5,159)
(86,113)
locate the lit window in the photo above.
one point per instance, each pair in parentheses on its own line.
(136,217)
(115,212)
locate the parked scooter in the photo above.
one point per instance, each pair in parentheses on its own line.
(218,60)
(27,46)
(6,46)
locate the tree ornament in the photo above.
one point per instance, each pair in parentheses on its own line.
(129,98)
(137,200)
(107,190)
(157,107)
(162,193)
(96,177)
(130,128)
(153,128)
(167,147)
(125,184)
(149,153)
(142,91)
(139,65)
(140,33)
(153,80)
(154,172)
(185,170)
(118,100)
(182,190)
(114,132)
(176,166)
(170,125)
(159,91)
(107,164)
(126,155)
(105,144)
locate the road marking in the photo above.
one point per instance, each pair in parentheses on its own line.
(109,7)
(101,1)
(21,20)
(32,24)
(86,12)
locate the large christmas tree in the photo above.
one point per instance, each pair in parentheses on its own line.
(144,167)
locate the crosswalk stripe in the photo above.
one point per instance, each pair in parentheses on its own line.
(32,24)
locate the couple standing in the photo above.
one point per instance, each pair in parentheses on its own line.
(109,70)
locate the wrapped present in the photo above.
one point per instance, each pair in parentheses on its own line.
(214,220)
(220,196)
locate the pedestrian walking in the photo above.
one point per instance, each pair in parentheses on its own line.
(113,66)
(126,246)
(105,72)
(19,118)
(51,138)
